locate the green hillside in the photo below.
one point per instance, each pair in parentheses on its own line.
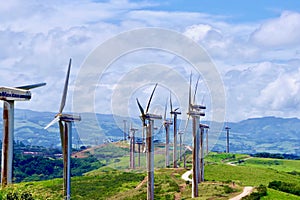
(115,181)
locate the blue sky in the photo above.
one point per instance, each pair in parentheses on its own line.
(254,46)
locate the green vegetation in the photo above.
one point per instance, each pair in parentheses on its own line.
(261,192)
(214,157)
(110,177)
(291,188)
(48,168)
(277,164)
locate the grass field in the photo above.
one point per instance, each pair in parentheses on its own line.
(277,164)
(116,181)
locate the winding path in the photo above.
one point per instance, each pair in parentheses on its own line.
(186,175)
(247,190)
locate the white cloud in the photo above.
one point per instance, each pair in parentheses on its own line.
(279,32)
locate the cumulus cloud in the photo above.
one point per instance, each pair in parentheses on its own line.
(279,32)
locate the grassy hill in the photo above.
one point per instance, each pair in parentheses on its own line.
(116,181)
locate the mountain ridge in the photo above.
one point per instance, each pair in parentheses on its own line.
(270,134)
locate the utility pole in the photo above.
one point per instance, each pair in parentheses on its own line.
(227,134)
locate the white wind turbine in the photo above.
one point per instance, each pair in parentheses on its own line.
(65,129)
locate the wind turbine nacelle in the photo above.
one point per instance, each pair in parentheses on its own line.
(14,94)
(70,118)
(196,113)
(175,112)
(153,116)
(168,122)
(204,126)
(198,107)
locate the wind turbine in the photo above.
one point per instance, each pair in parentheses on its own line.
(145,116)
(65,128)
(167,124)
(195,112)
(9,95)
(175,113)
(227,135)
(132,146)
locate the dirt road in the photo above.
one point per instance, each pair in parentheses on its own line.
(247,190)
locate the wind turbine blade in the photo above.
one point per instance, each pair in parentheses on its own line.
(140,107)
(159,130)
(148,106)
(28,87)
(56,119)
(196,88)
(165,115)
(186,125)
(64,96)
(171,106)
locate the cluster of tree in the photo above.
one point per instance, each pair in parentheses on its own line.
(261,191)
(18,196)
(35,168)
(276,155)
(285,187)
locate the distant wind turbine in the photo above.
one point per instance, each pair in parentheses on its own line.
(132,146)
(9,95)
(65,128)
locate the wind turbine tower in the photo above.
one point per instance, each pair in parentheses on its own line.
(145,116)
(201,174)
(227,135)
(207,141)
(175,113)
(9,95)
(167,124)
(132,147)
(180,144)
(65,128)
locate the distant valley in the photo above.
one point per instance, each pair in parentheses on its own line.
(267,134)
